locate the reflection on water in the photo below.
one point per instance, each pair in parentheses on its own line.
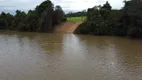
(39,56)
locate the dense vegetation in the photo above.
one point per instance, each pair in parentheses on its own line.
(102,20)
(43,18)
(99,20)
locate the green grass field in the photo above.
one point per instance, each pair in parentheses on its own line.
(77,19)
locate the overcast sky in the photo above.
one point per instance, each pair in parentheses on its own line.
(67,5)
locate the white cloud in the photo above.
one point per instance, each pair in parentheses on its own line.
(67,5)
(84,4)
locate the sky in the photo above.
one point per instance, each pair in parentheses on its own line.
(67,5)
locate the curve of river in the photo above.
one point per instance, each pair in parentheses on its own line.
(40,56)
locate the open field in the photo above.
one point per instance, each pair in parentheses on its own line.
(76,19)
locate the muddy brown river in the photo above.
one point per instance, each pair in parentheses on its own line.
(42,56)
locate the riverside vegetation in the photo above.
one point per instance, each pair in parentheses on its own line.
(43,18)
(103,20)
(99,20)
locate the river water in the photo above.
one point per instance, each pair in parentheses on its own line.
(41,56)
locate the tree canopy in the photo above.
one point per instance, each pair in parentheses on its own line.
(43,18)
(102,20)
(107,6)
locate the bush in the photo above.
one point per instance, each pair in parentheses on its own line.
(100,21)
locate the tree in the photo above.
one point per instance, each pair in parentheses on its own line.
(46,17)
(31,21)
(3,22)
(58,15)
(18,19)
(42,19)
(43,6)
(107,6)
(131,18)
(100,21)
(9,19)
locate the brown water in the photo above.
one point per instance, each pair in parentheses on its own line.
(35,56)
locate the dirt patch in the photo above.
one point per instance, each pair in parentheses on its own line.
(67,27)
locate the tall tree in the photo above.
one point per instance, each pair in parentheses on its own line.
(32,21)
(43,6)
(46,16)
(18,19)
(132,18)
(58,15)
(3,22)
(107,6)
(42,19)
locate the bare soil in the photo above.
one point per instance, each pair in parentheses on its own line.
(67,27)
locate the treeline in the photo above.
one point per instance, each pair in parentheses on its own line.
(43,18)
(102,20)
(76,14)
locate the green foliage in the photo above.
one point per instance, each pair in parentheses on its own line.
(132,18)
(104,21)
(5,20)
(107,6)
(42,19)
(43,6)
(32,21)
(58,15)
(100,21)
(46,21)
